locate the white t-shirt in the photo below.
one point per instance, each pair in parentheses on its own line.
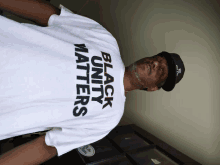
(66,78)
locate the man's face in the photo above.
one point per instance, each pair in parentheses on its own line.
(151,71)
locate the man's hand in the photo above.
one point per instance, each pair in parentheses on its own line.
(38,11)
(32,153)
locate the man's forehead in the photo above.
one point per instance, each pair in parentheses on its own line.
(159,56)
(155,56)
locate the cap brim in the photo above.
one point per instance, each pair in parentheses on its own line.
(171,79)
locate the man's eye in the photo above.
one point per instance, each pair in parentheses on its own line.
(162,71)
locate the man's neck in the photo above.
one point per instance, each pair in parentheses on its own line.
(130,81)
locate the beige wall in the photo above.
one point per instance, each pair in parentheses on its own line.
(187,118)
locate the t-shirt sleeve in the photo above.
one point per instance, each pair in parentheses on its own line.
(67,17)
(68,139)
(83,27)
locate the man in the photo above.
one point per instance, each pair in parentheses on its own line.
(43,69)
(151,73)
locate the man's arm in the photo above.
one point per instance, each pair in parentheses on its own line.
(34,152)
(38,11)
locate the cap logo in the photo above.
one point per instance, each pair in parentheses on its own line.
(178,71)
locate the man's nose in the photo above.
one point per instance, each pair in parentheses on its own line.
(155,64)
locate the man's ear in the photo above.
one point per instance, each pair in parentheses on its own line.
(152,88)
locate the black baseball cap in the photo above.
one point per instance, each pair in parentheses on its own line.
(176,70)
